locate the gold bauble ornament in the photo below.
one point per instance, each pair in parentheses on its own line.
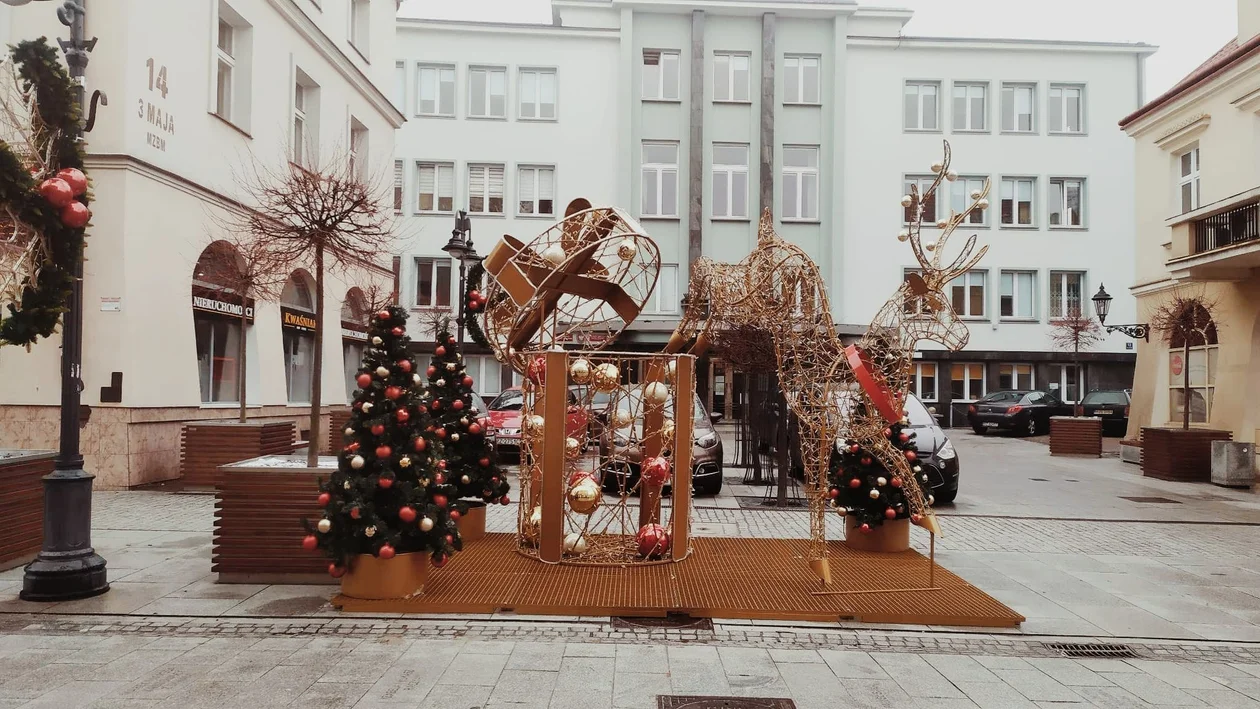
(842,511)
(346,485)
(369,532)
(554,254)
(382,372)
(930,246)
(931,499)
(404,462)
(455,438)
(572,448)
(951,175)
(440,382)
(324,525)
(607,377)
(671,370)
(942,223)
(627,249)
(655,393)
(881,481)
(450,366)
(426,524)
(982,204)
(585,496)
(937,167)
(903,235)
(906,200)
(465,479)
(349,431)
(975,194)
(575,544)
(580,371)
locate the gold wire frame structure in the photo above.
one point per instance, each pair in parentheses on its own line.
(601,508)
(778,289)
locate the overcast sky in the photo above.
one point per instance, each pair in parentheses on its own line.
(1185,38)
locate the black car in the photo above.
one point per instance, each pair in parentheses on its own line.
(1112,406)
(936,455)
(1027,413)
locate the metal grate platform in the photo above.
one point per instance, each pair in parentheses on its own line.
(756,579)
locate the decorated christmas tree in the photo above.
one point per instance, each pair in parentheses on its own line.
(461,428)
(391,493)
(862,488)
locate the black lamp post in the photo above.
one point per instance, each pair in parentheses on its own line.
(68,567)
(460,248)
(1102,306)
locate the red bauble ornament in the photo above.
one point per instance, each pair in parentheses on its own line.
(440,351)
(467,382)
(455,515)
(866,460)
(402,415)
(895,482)
(404,365)
(887,432)
(441,464)
(474,428)
(310,543)
(834,492)
(911,456)
(450,539)
(407,514)
(441,432)
(484,462)
(355,513)
(439,560)
(903,437)
(354,446)
(75,178)
(504,500)
(383,314)
(384,451)
(323,499)
(890,513)
(439,479)
(653,540)
(397,332)
(436,405)
(537,370)
(75,215)
(56,192)
(574,479)
(364,380)
(866,528)
(378,429)
(916,518)
(430,371)
(393,392)
(385,483)
(440,500)
(854,448)
(450,339)
(474,294)
(855,483)
(385,552)
(656,471)
(420,444)
(336,571)
(458,405)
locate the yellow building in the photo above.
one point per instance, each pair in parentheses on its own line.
(1198,234)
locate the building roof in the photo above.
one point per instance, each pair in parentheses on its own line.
(1226,57)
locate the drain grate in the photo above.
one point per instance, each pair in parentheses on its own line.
(1151,500)
(672,701)
(673,621)
(1092,650)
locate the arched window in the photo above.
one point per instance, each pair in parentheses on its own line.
(218,312)
(297,318)
(1193,346)
(354,320)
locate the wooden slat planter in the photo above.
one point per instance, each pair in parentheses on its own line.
(257,521)
(206,445)
(1179,454)
(337,420)
(22,504)
(1076,435)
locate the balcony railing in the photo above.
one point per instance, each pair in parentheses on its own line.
(1227,228)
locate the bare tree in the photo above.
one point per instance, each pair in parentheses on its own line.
(1185,321)
(436,319)
(328,215)
(1074,333)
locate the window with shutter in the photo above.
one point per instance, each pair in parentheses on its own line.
(434,184)
(398,186)
(485,189)
(534,191)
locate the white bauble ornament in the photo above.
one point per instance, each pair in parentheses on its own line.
(324,525)
(349,431)
(382,372)
(942,223)
(450,366)
(925,478)
(426,524)
(906,200)
(842,511)
(655,393)
(982,204)
(621,418)
(903,235)
(376,340)
(671,370)
(951,175)
(367,406)
(465,479)
(931,499)
(937,167)
(554,254)
(575,543)
(415,379)
(975,194)
(440,382)
(881,481)
(404,462)
(346,485)
(667,432)
(455,437)
(874,494)
(580,371)
(356,463)
(627,249)
(369,532)
(535,423)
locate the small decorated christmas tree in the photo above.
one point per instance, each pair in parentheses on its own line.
(470,457)
(863,489)
(391,493)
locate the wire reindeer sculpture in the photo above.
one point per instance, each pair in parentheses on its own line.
(779,289)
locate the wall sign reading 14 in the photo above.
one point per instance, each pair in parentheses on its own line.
(156,114)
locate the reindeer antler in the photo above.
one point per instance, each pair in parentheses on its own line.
(932,266)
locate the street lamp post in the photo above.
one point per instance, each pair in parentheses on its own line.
(460,248)
(1102,306)
(67,566)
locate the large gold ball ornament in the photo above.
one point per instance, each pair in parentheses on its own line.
(554,254)
(572,448)
(656,393)
(382,372)
(627,249)
(930,246)
(607,376)
(585,496)
(942,223)
(580,371)
(367,406)
(324,526)
(575,544)
(906,200)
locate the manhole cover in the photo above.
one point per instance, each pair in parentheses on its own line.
(670,701)
(673,621)
(1092,650)
(1151,500)
(749,502)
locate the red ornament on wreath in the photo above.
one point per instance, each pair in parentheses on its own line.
(420,444)
(911,456)
(385,483)
(355,513)
(76,215)
(402,415)
(336,571)
(653,541)
(378,429)
(458,405)
(441,432)
(474,429)
(484,462)
(855,483)
(56,192)
(439,560)
(537,370)
(430,371)
(895,482)
(393,392)
(75,178)
(397,332)
(504,500)
(436,405)
(404,365)
(890,513)
(364,380)
(455,515)
(440,500)
(450,339)
(384,451)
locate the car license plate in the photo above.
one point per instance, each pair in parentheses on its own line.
(990,424)
(1100,412)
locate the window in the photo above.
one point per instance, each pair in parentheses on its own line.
(358,148)
(433,282)
(1188,180)
(800,183)
(923,182)
(398,186)
(305,121)
(1201,364)
(1067,109)
(435,89)
(660,75)
(960,198)
(538,94)
(966,381)
(1015,376)
(924,383)
(536,187)
(801,79)
(486,373)
(360,24)
(1066,197)
(1065,293)
(730,181)
(485,189)
(400,85)
(664,300)
(1018,288)
(922,111)
(1065,382)
(1017,201)
(966,294)
(916,305)
(351,361)
(660,180)
(1018,103)
(218,341)
(730,77)
(298,338)
(233,57)
(487,92)
(436,187)
(971,107)
(227,62)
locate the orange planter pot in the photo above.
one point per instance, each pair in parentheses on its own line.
(371,578)
(891,536)
(472,526)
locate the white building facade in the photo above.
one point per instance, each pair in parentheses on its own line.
(699,114)
(198,92)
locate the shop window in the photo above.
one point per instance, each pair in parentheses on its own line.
(1065,382)
(354,322)
(217,312)
(298,323)
(1200,355)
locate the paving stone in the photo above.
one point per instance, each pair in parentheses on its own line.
(960,668)
(541,656)
(1036,685)
(994,695)
(652,659)
(848,664)
(528,687)
(475,669)
(638,690)
(915,675)
(1069,672)
(1174,674)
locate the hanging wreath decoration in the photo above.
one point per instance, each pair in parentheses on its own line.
(43,193)
(475,305)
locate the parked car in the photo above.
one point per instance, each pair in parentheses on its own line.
(936,455)
(622,446)
(1024,412)
(505,416)
(1112,406)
